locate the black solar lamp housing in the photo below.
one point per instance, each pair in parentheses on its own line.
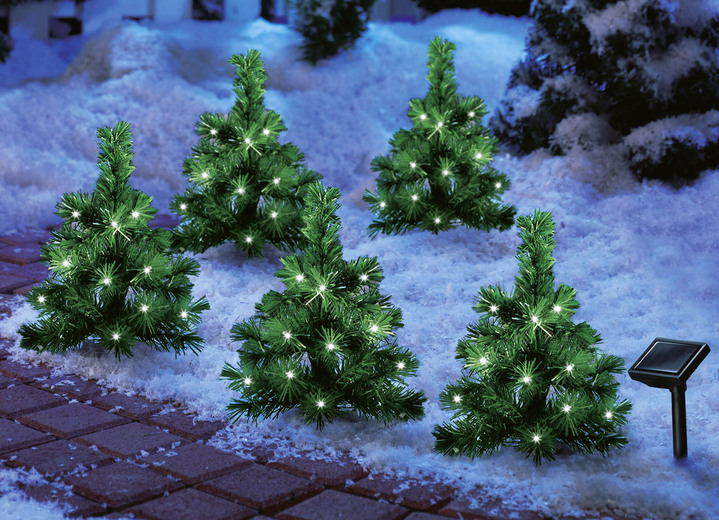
(668,363)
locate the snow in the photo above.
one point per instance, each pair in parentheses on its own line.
(643,257)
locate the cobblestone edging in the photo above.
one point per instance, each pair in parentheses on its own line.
(129,456)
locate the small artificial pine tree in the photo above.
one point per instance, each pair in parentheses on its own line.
(330,26)
(634,79)
(113,279)
(325,344)
(438,175)
(534,380)
(243,185)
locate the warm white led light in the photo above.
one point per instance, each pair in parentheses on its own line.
(413,165)
(526,380)
(330,346)
(66,263)
(299,277)
(265,131)
(557,308)
(363,277)
(608,415)
(415,197)
(400,365)
(320,404)
(183,315)
(535,319)
(135,214)
(248,140)
(382,204)
(478,155)
(247,381)
(41,299)
(322,288)
(445,173)
(114,224)
(437,220)
(273,214)
(536,438)
(374,328)
(106,281)
(75,214)
(498,185)
(213,131)
(471,114)
(147,269)
(116,336)
(566,408)
(144,308)
(570,367)
(423,117)
(183,207)
(276,181)
(241,191)
(483,360)
(290,374)
(287,335)
(457,398)
(248,240)
(493,308)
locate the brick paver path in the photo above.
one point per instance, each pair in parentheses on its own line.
(129,457)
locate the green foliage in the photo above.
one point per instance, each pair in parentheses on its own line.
(532,379)
(325,345)
(629,66)
(243,185)
(438,174)
(113,279)
(330,26)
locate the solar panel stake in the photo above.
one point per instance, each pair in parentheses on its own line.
(679,421)
(668,363)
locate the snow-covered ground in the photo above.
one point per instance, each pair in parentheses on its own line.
(644,258)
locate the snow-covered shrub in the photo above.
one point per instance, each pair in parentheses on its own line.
(330,26)
(649,68)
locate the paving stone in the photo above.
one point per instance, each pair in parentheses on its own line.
(23,399)
(71,420)
(191,504)
(57,458)
(163,220)
(332,504)
(131,440)
(10,282)
(20,254)
(5,346)
(408,492)
(132,407)
(36,271)
(488,509)
(75,505)
(25,289)
(260,487)
(14,436)
(195,462)
(425,516)
(185,425)
(121,484)
(70,386)
(23,371)
(7,381)
(34,236)
(329,473)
